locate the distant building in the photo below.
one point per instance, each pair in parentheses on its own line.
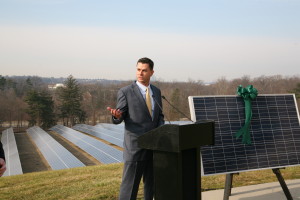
(55,86)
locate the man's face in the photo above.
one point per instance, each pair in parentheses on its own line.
(143,73)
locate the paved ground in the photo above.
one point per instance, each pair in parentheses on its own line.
(267,191)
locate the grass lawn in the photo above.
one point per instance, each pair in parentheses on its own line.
(103,181)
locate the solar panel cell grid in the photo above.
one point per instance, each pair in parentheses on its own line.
(99,150)
(112,136)
(56,155)
(275,132)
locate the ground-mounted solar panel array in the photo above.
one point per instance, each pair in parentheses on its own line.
(104,153)
(119,128)
(56,155)
(274,130)
(113,136)
(81,135)
(13,164)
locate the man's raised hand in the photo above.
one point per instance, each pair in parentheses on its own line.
(117,113)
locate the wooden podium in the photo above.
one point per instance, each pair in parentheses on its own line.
(176,158)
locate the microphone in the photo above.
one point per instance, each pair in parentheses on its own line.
(159,107)
(175,108)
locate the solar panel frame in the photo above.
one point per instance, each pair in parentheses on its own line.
(275,132)
(56,155)
(12,158)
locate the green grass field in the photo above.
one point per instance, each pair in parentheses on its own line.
(103,181)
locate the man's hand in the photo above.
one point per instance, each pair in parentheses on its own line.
(117,113)
(2,166)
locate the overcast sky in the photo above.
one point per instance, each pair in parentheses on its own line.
(198,40)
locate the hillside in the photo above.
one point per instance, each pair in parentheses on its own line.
(102,182)
(93,182)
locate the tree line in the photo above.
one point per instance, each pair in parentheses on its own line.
(30,100)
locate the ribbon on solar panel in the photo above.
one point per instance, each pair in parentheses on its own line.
(275,132)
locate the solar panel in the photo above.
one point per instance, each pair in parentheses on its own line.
(99,150)
(56,155)
(119,128)
(275,132)
(180,122)
(12,159)
(102,133)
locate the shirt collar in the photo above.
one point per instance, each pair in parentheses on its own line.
(141,86)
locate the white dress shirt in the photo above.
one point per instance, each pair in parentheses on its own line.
(143,91)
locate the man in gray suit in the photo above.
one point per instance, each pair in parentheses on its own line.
(137,107)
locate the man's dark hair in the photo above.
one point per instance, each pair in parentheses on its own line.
(146,61)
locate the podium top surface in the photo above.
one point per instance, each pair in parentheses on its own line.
(174,138)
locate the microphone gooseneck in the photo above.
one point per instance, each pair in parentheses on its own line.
(163,97)
(159,107)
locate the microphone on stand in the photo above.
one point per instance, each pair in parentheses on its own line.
(159,107)
(176,108)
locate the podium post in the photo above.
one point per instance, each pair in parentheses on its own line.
(176,158)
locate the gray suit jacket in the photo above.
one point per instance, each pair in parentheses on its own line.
(137,119)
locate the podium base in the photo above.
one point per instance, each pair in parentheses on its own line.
(177,175)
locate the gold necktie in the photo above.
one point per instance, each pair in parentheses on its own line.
(148,101)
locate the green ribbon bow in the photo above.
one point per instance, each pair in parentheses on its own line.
(248,94)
